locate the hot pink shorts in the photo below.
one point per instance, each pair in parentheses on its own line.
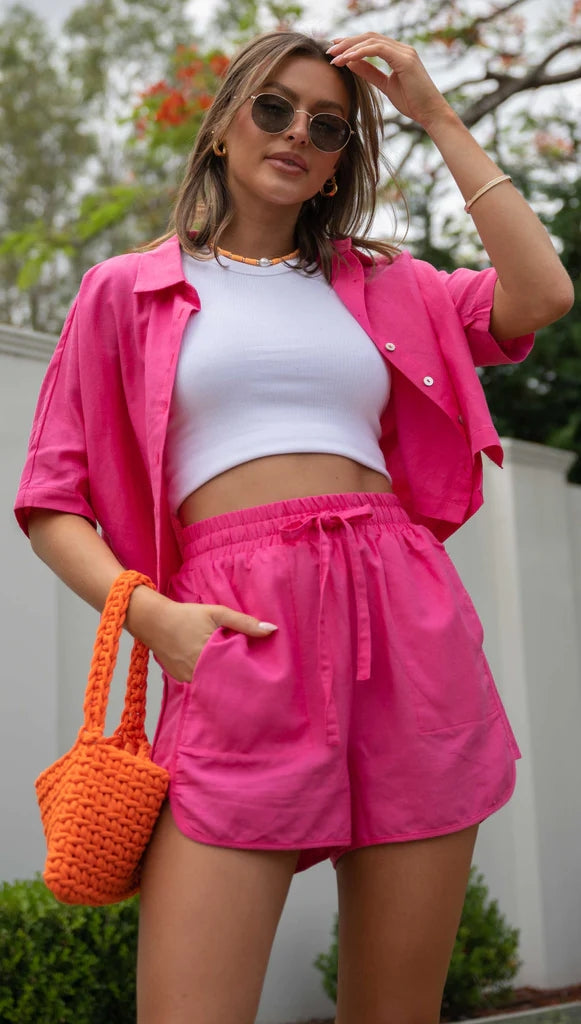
(369,716)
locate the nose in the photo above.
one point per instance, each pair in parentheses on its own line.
(299,128)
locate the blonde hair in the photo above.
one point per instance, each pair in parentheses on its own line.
(203,207)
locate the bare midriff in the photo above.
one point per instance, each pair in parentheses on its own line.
(279,478)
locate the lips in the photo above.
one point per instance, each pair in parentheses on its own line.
(290,159)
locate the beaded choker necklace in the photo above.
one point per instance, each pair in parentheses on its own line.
(262,262)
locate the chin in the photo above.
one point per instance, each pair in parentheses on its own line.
(283,196)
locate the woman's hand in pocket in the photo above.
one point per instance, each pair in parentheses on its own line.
(177,632)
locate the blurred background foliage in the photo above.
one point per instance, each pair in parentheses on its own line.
(97,119)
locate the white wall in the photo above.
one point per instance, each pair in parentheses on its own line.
(521,561)
(520,558)
(28,690)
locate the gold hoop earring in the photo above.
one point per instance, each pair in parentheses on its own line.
(330,188)
(219,148)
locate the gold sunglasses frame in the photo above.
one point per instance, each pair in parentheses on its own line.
(311,117)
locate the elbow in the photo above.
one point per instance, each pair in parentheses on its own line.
(555,303)
(561,299)
(568,296)
(528,310)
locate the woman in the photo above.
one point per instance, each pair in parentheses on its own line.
(281,429)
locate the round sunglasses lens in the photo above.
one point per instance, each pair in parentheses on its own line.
(272,113)
(329,132)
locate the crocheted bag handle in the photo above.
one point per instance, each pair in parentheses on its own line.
(131,731)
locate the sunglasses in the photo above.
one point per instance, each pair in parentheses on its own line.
(274,114)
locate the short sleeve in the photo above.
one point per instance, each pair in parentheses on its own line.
(472,293)
(55,474)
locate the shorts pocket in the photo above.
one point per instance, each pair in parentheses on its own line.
(460,693)
(439,642)
(245,697)
(188,688)
(203,654)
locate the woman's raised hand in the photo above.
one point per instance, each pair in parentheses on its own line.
(408,86)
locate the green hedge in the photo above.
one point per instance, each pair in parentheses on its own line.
(485,957)
(61,964)
(484,960)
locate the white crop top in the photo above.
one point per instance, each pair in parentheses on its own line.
(272,363)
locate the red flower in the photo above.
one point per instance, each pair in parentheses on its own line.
(193,67)
(219,64)
(185,73)
(172,109)
(156,89)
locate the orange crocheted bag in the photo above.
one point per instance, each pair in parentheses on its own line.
(99,802)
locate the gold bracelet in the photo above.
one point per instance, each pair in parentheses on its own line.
(485,188)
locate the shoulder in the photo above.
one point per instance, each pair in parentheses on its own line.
(400,270)
(399,264)
(115,276)
(146,271)
(463,287)
(416,277)
(402,261)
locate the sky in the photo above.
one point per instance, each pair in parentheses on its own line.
(318,19)
(55,11)
(318,11)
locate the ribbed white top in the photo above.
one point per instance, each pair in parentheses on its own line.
(272,363)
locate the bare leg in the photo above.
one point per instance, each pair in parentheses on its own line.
(399,910)
(208,918)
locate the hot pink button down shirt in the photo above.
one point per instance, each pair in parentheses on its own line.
(97,442)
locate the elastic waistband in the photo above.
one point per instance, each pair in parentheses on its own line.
(261,521)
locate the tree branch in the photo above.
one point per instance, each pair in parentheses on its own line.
(502,83)
(411,27)
(569,44)
(563,76)
(509,85)
(485,18)
(398,124)
(403,161)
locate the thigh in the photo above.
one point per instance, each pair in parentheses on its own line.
(399,910)
(208,916)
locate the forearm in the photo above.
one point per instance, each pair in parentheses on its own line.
(535,287)
(175,631)
(73,549)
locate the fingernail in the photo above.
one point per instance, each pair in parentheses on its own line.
(267,626)
(331,48)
